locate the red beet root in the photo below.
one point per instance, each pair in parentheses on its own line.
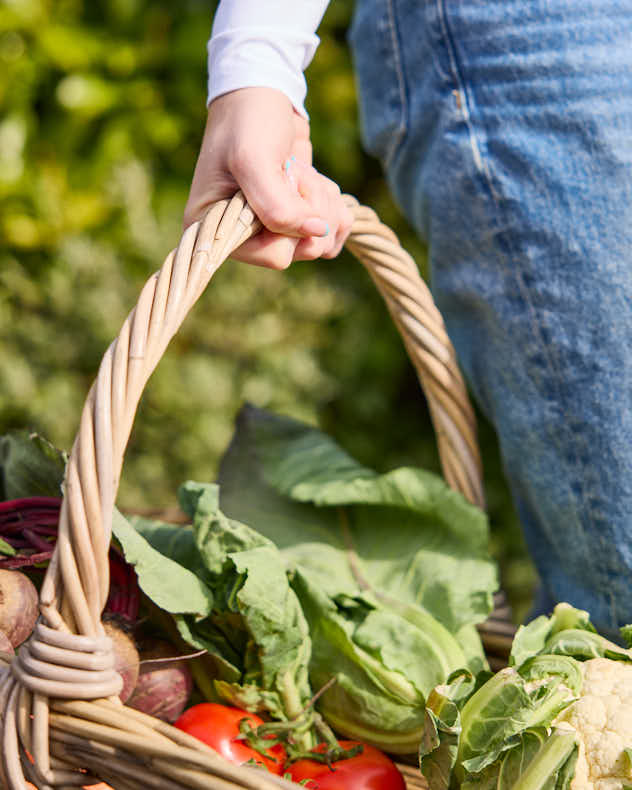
(163,687)
(29,525)
(126,659)
(5,645)
(124,597)
(18,606)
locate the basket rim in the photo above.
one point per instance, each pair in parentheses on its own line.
(66,723)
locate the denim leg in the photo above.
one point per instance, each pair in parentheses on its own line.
(505,130)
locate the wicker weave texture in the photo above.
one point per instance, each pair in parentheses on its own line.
(62,723)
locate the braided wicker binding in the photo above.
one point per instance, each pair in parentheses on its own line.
(58,695)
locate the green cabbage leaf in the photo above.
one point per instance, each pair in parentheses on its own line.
(403,535)
(329,578)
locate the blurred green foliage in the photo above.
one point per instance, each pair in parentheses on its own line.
(102,106)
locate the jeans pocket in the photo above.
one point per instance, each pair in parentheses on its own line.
(375,46)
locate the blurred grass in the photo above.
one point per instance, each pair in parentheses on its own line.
(102,110)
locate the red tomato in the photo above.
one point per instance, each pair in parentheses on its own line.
(218,726)
(370,770)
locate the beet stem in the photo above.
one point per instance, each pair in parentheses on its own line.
(37,542)
(19,523)
(12,563)
(30,502)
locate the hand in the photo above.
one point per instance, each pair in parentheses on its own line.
(255,141)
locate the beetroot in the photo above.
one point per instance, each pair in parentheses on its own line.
(163,687)
(124,597)
(126,658)
(18,606)
(29,526)
(5,645)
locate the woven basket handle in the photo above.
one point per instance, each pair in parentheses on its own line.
(68,659)
(77,582)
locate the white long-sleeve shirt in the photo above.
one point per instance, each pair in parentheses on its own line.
(256,43)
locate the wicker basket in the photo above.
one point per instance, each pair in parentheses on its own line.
(62,723)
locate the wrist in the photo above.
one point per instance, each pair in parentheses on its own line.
(248,108)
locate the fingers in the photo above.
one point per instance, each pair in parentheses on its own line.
(267,249)
(278,250)
(271,190)
(324,195)
(256,142)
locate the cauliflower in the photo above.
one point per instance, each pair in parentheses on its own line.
(602,719)
(559,717)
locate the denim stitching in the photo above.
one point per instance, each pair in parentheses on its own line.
(401,84)
(483,167)
(464,103)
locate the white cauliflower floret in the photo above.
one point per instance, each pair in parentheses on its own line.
(602,718)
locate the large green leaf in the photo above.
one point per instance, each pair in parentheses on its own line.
(382,664)
(170,586)
(384,656)
(29,466)
(403,535)
(257,630)
(175,541)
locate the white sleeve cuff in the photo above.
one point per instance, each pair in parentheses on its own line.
(272,58)
(269,44)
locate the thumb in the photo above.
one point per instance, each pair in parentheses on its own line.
(273,195)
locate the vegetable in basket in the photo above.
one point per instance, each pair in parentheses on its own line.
(164,682)
(18,607)
(219,726)
(332,572)
(126,658)
(558,717)
(368,770)
(233,733)
(391,570)
(255,632)
(28,530)
(365,563)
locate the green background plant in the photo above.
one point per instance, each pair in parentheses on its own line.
(102,106)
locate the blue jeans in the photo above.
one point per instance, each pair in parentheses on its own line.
(505,130)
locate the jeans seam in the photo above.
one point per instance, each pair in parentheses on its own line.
(463,98)
(465,105)
(401,83)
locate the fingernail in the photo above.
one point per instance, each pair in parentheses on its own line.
(315,227)
(289,173)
